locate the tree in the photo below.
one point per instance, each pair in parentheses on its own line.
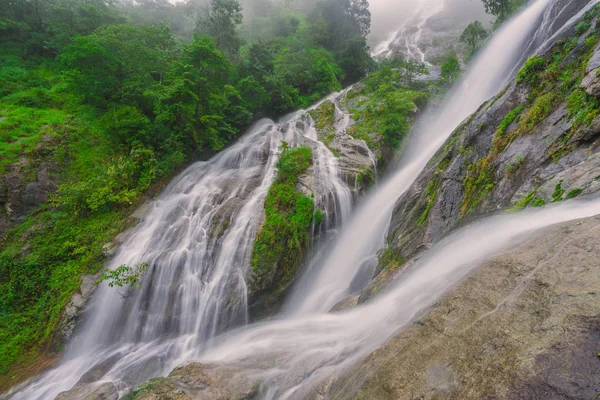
(473,35)
(197,100)
(220,22)
(450,70)
(498,8)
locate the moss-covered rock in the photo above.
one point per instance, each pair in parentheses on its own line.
(198,382)
(541,130)
(281,242)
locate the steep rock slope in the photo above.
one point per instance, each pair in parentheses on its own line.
(535,143)
(525,325)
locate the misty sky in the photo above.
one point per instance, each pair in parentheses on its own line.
(388,15)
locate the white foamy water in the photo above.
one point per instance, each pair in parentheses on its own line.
(198,239)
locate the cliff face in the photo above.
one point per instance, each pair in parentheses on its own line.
(27,184)
(525,324)
(535,143)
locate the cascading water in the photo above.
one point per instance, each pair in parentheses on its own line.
(311,348)
(198,239)
(365,234)
(407,38)
(311,344)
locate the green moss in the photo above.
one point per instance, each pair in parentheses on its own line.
(531,70)
(526,201)
(385,109)
(514,166)
(582,27)
(582,107)
(390,259)
(537,202)
(289,215)
(431,193)
(574,193)
(324,117)
(558,193)
(509,119)
(478,182)
(541,108)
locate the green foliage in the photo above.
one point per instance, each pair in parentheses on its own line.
(124,276)
(541,108)
(574,193)
(450,70)
(120,102)
(431,193)
(499,8)
(388,107)
(530,72)
(220,22)
(558,193)
(478,182)
(473,35)
(281,242)
(582,107)
(530,199)
(390,258)
(582,27)
(508,120)
(537,202)
(515,165)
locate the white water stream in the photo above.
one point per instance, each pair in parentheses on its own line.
(198,239)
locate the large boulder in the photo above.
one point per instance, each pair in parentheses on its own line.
(100,391)
(199,382)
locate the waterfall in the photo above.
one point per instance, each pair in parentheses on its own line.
(309,349)
(197,238)
(329,283)
(310,344)
(407,38)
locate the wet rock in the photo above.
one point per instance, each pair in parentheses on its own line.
(356,161)
(591,81)
(74,310)
(97,372)
(103,391)
(200,382)
(346,304)
(524,325)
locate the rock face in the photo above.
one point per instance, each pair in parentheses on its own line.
(27,184)
(591,82)
(356,161)
(526,147)
(525,325)
(102,391)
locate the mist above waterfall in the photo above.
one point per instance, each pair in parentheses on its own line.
(389,15)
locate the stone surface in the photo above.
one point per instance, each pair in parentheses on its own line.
(26,185)
(74,310)
(554,152)
(199,382)
(103,391)
(525,325)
